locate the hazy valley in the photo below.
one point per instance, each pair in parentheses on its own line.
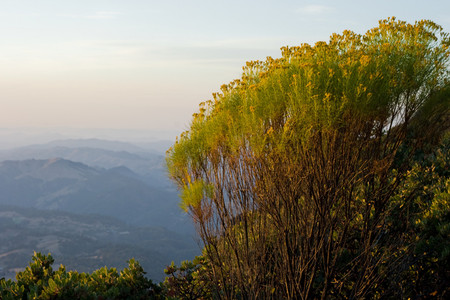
(91,203)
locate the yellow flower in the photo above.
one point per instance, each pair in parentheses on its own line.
(331,71)
(365,60)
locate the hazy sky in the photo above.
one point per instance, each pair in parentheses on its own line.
(142,64)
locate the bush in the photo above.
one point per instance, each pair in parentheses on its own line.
(39,281)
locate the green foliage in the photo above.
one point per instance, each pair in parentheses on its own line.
(189,281)
(421,213)
(39,281)
(282,103)
(303,175)
(193,194)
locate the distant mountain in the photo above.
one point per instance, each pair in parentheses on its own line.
(95,143)
(86,243)
(97,157)
(60,184)
(160,146)
(86,202)
(100,154)
(151,147)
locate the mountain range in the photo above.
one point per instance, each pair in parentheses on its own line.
(60,184)
(98,153)
(49,191)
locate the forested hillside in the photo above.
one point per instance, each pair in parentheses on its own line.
(86,242)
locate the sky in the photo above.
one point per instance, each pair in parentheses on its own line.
(144,65)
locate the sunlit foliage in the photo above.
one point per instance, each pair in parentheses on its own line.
(291,171)
(40,281)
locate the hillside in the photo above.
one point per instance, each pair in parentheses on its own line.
(60,184)
(86,242)
(90,203)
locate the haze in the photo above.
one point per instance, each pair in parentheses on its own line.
(143,66)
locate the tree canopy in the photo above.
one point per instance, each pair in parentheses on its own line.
(292,172)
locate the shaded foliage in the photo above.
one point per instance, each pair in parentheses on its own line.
(191,280)
(420,217)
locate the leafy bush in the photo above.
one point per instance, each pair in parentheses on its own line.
(294,172)
(40,281)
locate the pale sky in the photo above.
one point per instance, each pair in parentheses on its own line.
(143,64)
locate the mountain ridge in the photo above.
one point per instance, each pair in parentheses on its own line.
(74,187)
